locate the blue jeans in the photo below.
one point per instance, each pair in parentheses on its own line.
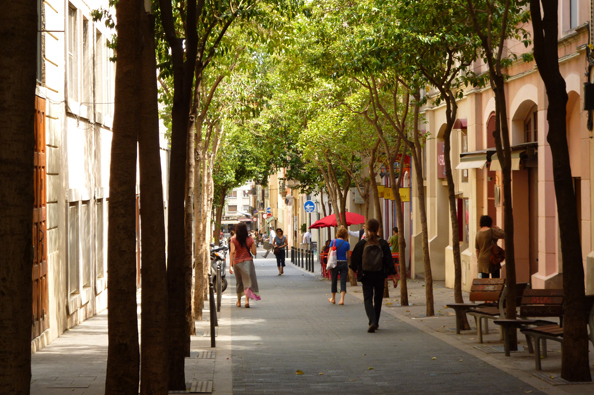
(342,268)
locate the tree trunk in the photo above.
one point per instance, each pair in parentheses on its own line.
(376,202)
(451,114)
(575,362)
(502,136)
(219,214)
(183,58)
(123,351)
(18,27)
(402,242)
(154,368)
(198,232)
(189,231)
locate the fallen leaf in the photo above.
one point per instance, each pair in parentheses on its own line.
(370,368)
(434,358)
(388,304)
(461,360)
(352,380)
(408,311)
(321,374)
(527,392)
(299,372)
(552,377)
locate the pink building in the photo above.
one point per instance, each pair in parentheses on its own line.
(478,177)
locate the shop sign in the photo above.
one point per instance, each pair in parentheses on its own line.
(441,168)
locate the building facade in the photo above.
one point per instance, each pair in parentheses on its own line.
(477,173)
(75,107)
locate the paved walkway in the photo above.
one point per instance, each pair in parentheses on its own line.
(294,329)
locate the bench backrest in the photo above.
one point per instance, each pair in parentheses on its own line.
(542,303)
(487,290)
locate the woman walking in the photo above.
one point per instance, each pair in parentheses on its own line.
(485,238)
(243,248)
(281,242)
(342,266)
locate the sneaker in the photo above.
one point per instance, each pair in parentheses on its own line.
(372,328)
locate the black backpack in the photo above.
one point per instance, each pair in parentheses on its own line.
(373,258)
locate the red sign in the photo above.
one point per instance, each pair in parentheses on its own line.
(255,219)
(268,215)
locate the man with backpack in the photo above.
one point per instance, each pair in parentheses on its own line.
(372,261)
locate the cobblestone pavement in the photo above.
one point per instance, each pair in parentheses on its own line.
(295,329)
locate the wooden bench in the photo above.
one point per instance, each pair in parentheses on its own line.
(555,332)
(489,291)
(534,303)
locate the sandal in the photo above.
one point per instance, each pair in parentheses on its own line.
(331,301)
(238,304)
(247,305)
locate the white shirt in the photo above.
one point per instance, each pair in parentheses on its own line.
(354,233)
(272,235)
(306,238)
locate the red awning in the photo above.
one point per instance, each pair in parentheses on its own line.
(461,123)
(351,218)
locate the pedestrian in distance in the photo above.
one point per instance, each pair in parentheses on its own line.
(243,248)
(394,247)
(342,265)
(485,238)
(306,240)
(372,261)
(270,246)
(280,243)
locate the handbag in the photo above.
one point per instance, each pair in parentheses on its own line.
(332,257)
(497,256)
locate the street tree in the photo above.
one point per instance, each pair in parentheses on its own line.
(575,360)
(154,337)
(18,29)
(494,23)
(122,375)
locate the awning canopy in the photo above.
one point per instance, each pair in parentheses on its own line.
(460,123)
(515,161)
(474,161)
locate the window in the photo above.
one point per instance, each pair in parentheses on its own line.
(246,193)
(87,68)
(73,251)
(72,55)
(99,75)
(573,14)
(232,194)
(85,246)
(464,148)
(100,239)
(232,208)
(531,126)
(246,209)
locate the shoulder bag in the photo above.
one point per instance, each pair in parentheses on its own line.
(332,257)
(497,255)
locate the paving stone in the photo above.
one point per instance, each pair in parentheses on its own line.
(294,328)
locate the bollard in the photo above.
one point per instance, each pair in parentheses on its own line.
(310,266)
(293,255)
(213,313)
(219,287)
